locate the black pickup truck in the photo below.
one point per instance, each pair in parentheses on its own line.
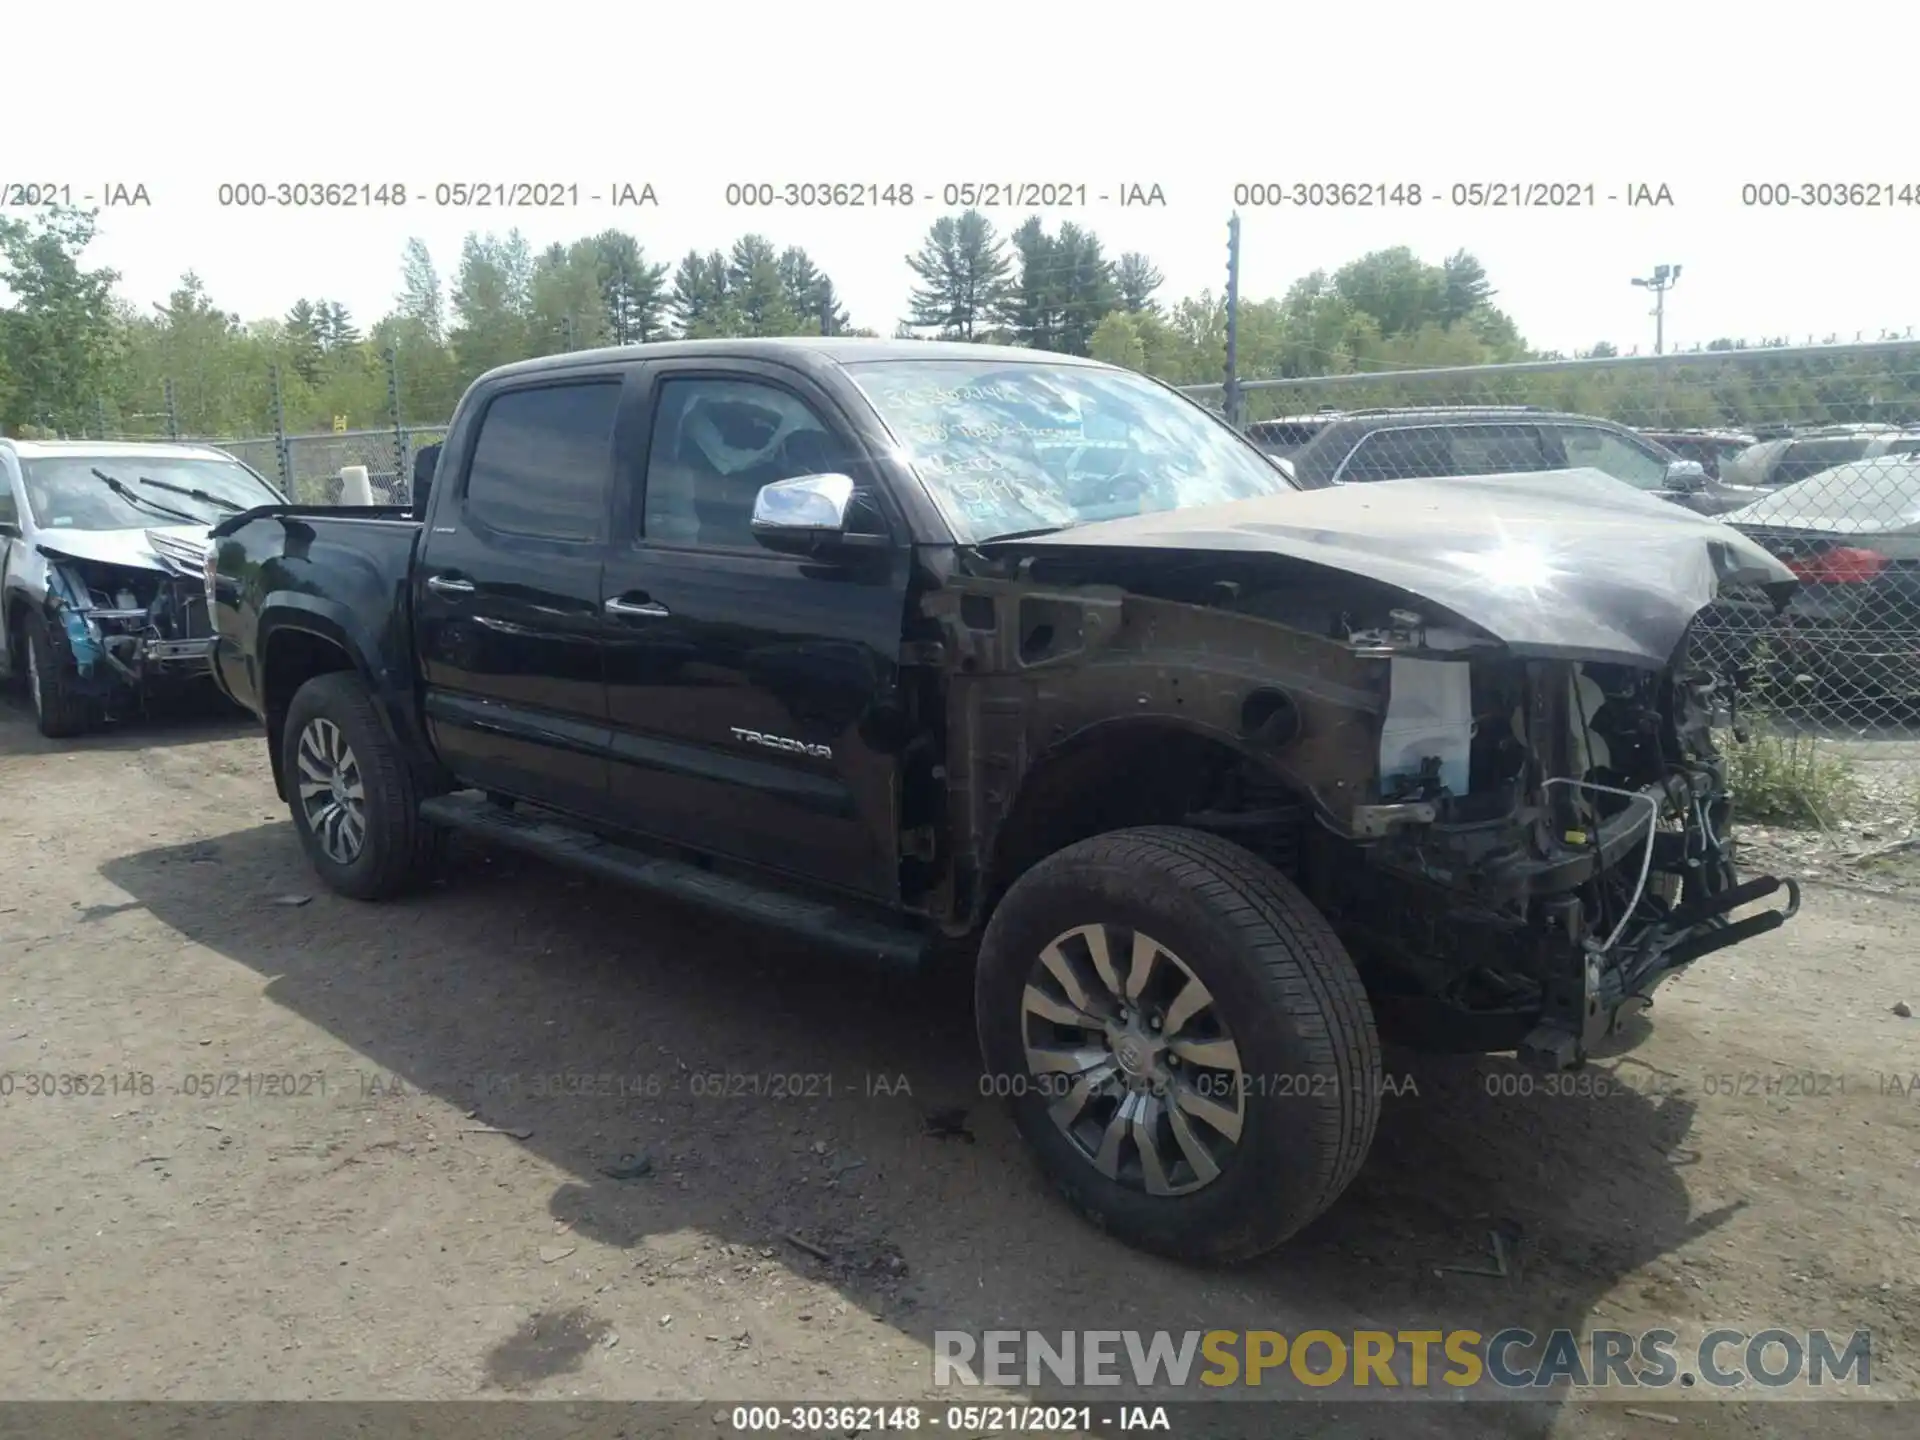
(934,650)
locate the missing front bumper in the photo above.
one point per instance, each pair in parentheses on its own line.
(1596,997)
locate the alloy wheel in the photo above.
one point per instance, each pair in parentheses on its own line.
(333,795)
(1139,1067)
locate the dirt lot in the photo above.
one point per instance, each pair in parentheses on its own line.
(364,1236)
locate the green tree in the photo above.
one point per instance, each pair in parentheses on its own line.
(1117,341)
(1136,278)
(493,303)
(1087,289)
(962,267)
(567,303)
(304,344)
(1032,307)
(810,294)
(758,292)
(337,330)
(633,291)
(702,302)
(420,298)
(60,339)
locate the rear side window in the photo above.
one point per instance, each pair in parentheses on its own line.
(543,463)
(1809,457)
(1432,452)
(9,510)
(1498,450)
(1420,454)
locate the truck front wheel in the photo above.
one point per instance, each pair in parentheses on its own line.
(354,801)
(1182,1039)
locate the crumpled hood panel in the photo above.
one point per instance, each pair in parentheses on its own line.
(1567,564)
(116,547)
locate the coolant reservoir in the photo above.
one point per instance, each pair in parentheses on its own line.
(1429,716)
(127,600)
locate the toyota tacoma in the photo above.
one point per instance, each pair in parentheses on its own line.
(937,650)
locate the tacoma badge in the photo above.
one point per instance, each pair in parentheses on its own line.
(780,742)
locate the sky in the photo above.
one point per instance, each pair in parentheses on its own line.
(1195,101)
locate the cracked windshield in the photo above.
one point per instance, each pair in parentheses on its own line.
(1014,449)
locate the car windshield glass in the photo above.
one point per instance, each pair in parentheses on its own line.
(1867,495)
(1018,448)
(64,493)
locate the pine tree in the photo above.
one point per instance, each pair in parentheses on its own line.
(759,297)
(420,296)
(962,267)
(1136,278)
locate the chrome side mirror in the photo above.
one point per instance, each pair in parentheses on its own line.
(807,514)
(1686,475)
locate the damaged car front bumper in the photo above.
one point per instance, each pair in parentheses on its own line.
(125,627)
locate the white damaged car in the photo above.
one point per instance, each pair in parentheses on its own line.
(102,570)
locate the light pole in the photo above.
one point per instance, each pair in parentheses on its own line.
(1661,281)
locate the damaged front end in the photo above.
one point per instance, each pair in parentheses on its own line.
(1461,717)
(1549,840)
(125,628)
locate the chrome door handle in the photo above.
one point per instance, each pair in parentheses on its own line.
(440,585)
(647,609)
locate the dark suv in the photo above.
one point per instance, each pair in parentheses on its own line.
(1789,459)
(1446,441)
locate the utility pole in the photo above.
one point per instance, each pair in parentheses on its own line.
(1230,392)
(1661,281)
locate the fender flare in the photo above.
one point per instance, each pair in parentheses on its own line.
(290,611)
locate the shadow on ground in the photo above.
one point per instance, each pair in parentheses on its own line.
(192,718)
(513,968)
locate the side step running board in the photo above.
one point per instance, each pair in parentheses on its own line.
(816,920)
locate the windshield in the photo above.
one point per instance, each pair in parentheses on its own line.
(1866,496)
(1014,448)
(64,493)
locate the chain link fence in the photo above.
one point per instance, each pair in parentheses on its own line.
(308,467)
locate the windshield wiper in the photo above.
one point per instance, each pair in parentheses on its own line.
(134,497)
(1032,534)
(200,495)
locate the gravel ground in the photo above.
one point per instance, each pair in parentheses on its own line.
(408,1216)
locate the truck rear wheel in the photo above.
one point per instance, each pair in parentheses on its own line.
(354,801)
(1182,1039)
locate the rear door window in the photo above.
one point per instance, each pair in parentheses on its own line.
(1809,457)
(543,463)
(1497,449)
(1418,453)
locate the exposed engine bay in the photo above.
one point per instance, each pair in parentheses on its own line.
(126,626)
(1515,846)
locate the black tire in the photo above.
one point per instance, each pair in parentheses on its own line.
(59,708)
(398,851)
(1280,979)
